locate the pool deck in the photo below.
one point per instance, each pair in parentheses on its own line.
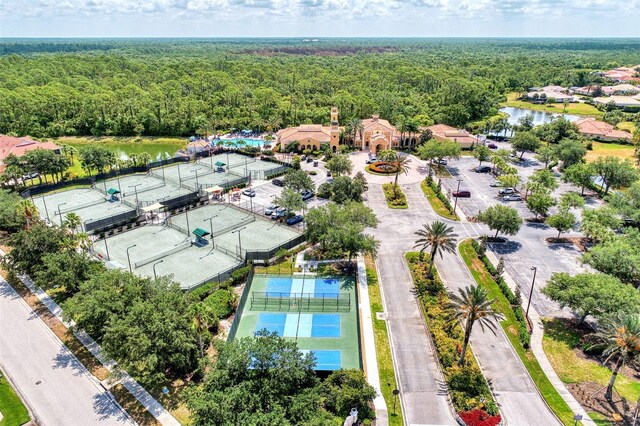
(310,324)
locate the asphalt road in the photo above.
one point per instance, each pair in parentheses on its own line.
(55,385)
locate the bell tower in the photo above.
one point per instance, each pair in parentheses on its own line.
(335,130)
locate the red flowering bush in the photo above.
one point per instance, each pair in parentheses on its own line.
(383,167)
(479,418)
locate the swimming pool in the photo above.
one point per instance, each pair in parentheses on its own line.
(249,141)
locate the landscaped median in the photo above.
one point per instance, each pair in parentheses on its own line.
(383,348)
(394,195)
(470,394)
(437,199)
(513,328)
(13,411)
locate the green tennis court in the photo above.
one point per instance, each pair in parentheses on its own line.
(319,313)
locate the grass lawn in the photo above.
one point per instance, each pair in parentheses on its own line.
(556,108)
(437,205)
(602,149)
(483,278)
(558,344)
(383,349)
(78,140)
(627,125)
(13,410)
(132,406)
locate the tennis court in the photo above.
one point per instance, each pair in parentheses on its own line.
(327,330)
(67,201)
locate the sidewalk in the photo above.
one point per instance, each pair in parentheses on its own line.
(149,402)
(536,347)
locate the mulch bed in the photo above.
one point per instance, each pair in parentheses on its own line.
(591,396)
(581,243)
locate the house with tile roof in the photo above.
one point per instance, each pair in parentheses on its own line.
(20,146)
(599,130)
(443,132)
(312,136)
(627,102)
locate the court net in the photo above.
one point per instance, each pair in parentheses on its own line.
(78,207)
(301,302)
(159,256)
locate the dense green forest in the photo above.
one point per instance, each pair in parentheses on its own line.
(177,87)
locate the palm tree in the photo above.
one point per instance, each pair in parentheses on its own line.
(620,338)
(471,305)
(355,126)
(439,237)
(401,163)
(30,211)
(202,319)
(71,221)
(144,158)
(273,123)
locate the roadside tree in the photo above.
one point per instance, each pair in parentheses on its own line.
(339,165)
(525,141)
(482,154)
(570,152)
(298,180)
(539,203)
(578,174)
(562,221)
(502,219)
(437,236)
(614,172)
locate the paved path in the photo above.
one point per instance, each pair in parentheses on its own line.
(55,385)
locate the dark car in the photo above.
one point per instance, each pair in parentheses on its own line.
(309,159)
(315,163)
(483,169)
(278,182)
(492,146)
(295,219)
(307,195)
(328,173)
(462,194)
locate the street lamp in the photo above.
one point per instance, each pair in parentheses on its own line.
(239,240)
(179,178)
(196,172)
(155,277)
(106,248)
(135,188)
(44,201)
(128,257)
(60,213)
(211,226)
(228,165)
(186,215)
(535,270)
(455,203)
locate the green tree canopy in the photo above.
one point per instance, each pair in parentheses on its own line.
(539,202)
(298,180)
(502,219)
(578,174)
(525,141)
(561,221)
(570,152)
(340,165)
(618,255)
(482,154)
(599,295)
(614,172)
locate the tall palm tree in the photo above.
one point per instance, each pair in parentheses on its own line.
(144,158)
(472,305)
(401,164)
(30,211)
(202,319)
(71,221)
(620,338)
(355,126)
(439,237)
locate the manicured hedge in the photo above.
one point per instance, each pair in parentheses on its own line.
(221,302)
(467,386)
(394,198)
(383,167)
(438,191)
(514,302)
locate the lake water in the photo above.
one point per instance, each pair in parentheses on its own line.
(539,117)
(155,149)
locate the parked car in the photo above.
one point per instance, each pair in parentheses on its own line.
(443,161)
(328,173)
(496,184)
(315,163)
(278,182)
(249,192)
(506,191)
(278,213)
(269,210)
(492,146)
(462,194)
(372,160)
(309,159)
(295,219)
(512,197)
(483,169)
(306,195)
(304,157)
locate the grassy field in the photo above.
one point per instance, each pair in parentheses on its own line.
(627,125)
(13,410)
(437,205)
(574,108)
(383,349)
(558,344)
(482,277)
(118,140)
(601,149)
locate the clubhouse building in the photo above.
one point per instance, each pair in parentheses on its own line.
(376,135)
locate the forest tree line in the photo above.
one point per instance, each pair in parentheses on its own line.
(178,88)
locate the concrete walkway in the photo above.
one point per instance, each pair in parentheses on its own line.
(56,387)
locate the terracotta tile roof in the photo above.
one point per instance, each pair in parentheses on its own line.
(593,127)
(20,146)
(314,131)
(374,121)
(442,131)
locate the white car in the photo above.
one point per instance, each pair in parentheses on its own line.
(512,197)
(269,210)
(495,184)
(506,191)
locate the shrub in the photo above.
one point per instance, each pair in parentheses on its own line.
(239,275)
(395,197)
(313,173)
(221,302)
(267,152)
(383,167)
(479,418)
(438,191)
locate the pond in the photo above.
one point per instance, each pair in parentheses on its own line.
(124,150)
(539,117)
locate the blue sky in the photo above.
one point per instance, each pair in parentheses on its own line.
(320,18)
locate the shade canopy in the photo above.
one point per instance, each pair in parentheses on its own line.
(155,206)
(220,163)
(199,232)
(112,191)
(213,189)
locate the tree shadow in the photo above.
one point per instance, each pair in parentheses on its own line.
(536,225)
(508,247)
(65,359)
(104,404)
